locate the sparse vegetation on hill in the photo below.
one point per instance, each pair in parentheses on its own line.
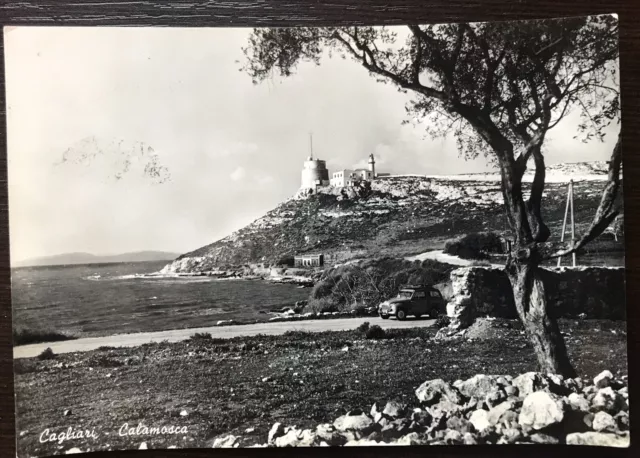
(397,216)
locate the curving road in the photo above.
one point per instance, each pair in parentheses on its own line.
(224,332)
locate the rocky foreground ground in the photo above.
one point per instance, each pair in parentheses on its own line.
(244,385)
(485,409)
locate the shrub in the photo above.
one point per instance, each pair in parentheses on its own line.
(322,305)
(476,245)
(47,353)
(375,332)
(201,336)
(364,327)
(286,260)
(442,321)
(30,336)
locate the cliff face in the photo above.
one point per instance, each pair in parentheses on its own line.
(397,215)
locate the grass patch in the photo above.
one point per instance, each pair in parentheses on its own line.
(30,336)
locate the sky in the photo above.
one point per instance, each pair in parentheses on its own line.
(90,109)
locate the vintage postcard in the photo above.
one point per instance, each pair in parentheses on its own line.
(300,237)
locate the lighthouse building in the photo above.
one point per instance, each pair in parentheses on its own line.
(349,177)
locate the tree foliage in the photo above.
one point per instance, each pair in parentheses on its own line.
(497,87)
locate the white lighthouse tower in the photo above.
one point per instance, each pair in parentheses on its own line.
(372,165)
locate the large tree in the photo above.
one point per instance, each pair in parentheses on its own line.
(498,88)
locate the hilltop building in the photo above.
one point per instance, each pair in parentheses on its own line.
(349,177)
(315,173)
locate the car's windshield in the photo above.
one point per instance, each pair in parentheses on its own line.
(406,294)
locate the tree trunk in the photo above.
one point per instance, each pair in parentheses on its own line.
(542,330)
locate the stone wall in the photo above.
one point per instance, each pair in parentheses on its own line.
(599,292)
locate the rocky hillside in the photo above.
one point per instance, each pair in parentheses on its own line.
(397,215)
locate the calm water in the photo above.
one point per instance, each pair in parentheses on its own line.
(103,299)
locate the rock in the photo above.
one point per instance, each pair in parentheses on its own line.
(604,422)
(394,409)
(480,420)
(376,408)
(459,424)
(530,382)
(495,397)
(496,413)
(73,451)
(276,431)
(598,439)
(432,391)
(183,413)
(360,422)
(540,410)
(510,436)
(143,446)
(421,417)
(453,436)
(578,402)
(607,400)
(362,443)
(228,441)
(540,438)
(511,391)
(469,439)
(295,438)
(478,386)
(327,433)
(603,379)
(622,418)
(411,439)
(249,430)
(445,406)
(66,413)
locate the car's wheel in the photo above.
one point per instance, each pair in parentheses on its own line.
(401,314)
(433,313)
(418,316)
(384,317)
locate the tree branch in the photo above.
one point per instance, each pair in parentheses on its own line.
(605,214)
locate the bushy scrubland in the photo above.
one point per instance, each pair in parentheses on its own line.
(356,286)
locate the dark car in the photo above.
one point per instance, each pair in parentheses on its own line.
(413,300)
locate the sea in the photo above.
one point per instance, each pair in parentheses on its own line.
(106,299)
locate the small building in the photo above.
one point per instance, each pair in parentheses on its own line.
(347,177)
(308,260)
(351,177)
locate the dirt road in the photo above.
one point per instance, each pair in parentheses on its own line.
(132,340)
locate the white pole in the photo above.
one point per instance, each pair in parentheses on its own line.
(564,223)
(573,226)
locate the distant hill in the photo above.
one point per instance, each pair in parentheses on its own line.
(88,258)
(395,216)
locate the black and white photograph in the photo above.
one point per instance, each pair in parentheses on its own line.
(317,236)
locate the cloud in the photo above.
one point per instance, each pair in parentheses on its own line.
(238,174)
